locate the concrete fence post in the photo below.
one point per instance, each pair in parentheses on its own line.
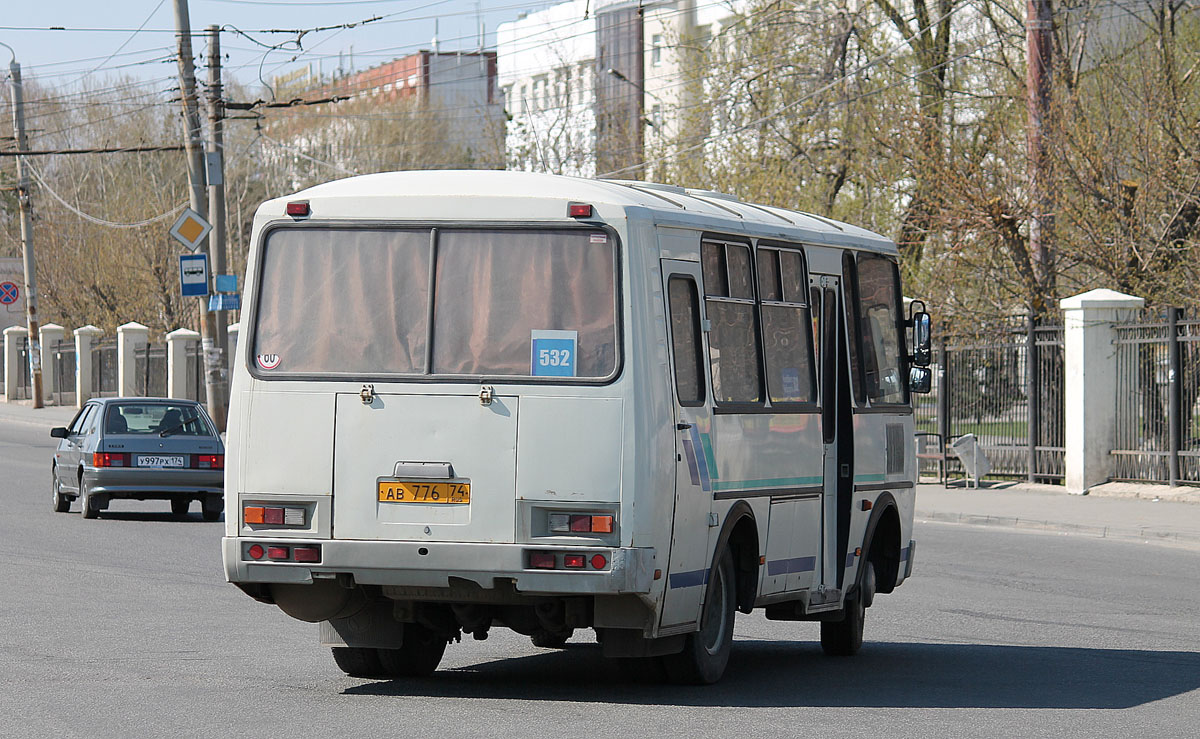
(12,361)
(1090,383)
(84,337)
(178,343)
(51,334)
(131,337)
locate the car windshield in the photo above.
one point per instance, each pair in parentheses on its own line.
(167,419)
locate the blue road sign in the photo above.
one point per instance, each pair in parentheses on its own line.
(223,301)
(226,283)
(9,292)
(193,274)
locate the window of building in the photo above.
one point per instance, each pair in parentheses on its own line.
(732,339)
(656,47)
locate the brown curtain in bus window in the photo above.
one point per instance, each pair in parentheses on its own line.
(344,301)
(494,288)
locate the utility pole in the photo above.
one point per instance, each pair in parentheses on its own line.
(216,176)
(1039,38)
(214,378)
(35,344)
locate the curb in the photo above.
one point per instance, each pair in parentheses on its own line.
(1143,534)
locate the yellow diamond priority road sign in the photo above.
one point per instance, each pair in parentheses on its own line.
(190,229)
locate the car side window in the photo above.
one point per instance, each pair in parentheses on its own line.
(81,421)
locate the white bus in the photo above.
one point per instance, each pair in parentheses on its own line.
(476,399)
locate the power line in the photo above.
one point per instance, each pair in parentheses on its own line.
(113,150)
(100,221)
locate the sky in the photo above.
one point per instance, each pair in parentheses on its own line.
(102,39)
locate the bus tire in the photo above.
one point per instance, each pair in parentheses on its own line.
(418,655)
(358,661)
(844,638)
(706,652)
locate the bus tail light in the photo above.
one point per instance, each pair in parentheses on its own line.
(541,560)
(573,561)
(278,553)
(586,523)
(274,515)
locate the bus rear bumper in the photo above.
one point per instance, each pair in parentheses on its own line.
(435,564)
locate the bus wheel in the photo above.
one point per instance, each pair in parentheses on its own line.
(706,652)
(358,661)
(417,656)
(844,638)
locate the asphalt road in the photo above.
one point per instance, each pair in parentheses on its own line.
(124,626)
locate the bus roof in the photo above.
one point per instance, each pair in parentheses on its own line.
(545,196)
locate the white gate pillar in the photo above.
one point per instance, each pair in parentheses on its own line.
(1090,383)
(84,336)
(178,342)
(131,337)
(51,334)
(12,363)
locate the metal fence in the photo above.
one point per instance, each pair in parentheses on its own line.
(62,354)
(195,373)
(24,389)
(105,380)
(1157,436)
(150,370)
(982,386)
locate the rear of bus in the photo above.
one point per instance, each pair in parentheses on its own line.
(426,426)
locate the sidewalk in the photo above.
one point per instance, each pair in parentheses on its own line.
(22,411)
(1113,511)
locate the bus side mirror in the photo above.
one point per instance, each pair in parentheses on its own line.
(58,432)
(922,340)
(920,379)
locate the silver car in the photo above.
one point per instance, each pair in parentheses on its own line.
(141,448)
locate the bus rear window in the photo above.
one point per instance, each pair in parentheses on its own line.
(505,302)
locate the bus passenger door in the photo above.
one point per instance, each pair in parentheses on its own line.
(837,434)
(687,568)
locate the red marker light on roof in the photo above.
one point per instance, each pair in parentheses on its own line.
(579,210)
(298,209)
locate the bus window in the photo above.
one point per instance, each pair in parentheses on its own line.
(685,341)
(880,321)
(850,296)
(786,326)
(732,344)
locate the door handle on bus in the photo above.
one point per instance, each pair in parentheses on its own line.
(683,426)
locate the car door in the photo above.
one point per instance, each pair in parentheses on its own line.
(69,451)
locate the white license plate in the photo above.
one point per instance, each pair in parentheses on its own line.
(160,460)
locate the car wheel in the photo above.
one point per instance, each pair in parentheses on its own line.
(844,638)
(87,504)
(212,507)
(358,661)
(417,656)
(62,504)
(706,652)
(179,506)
